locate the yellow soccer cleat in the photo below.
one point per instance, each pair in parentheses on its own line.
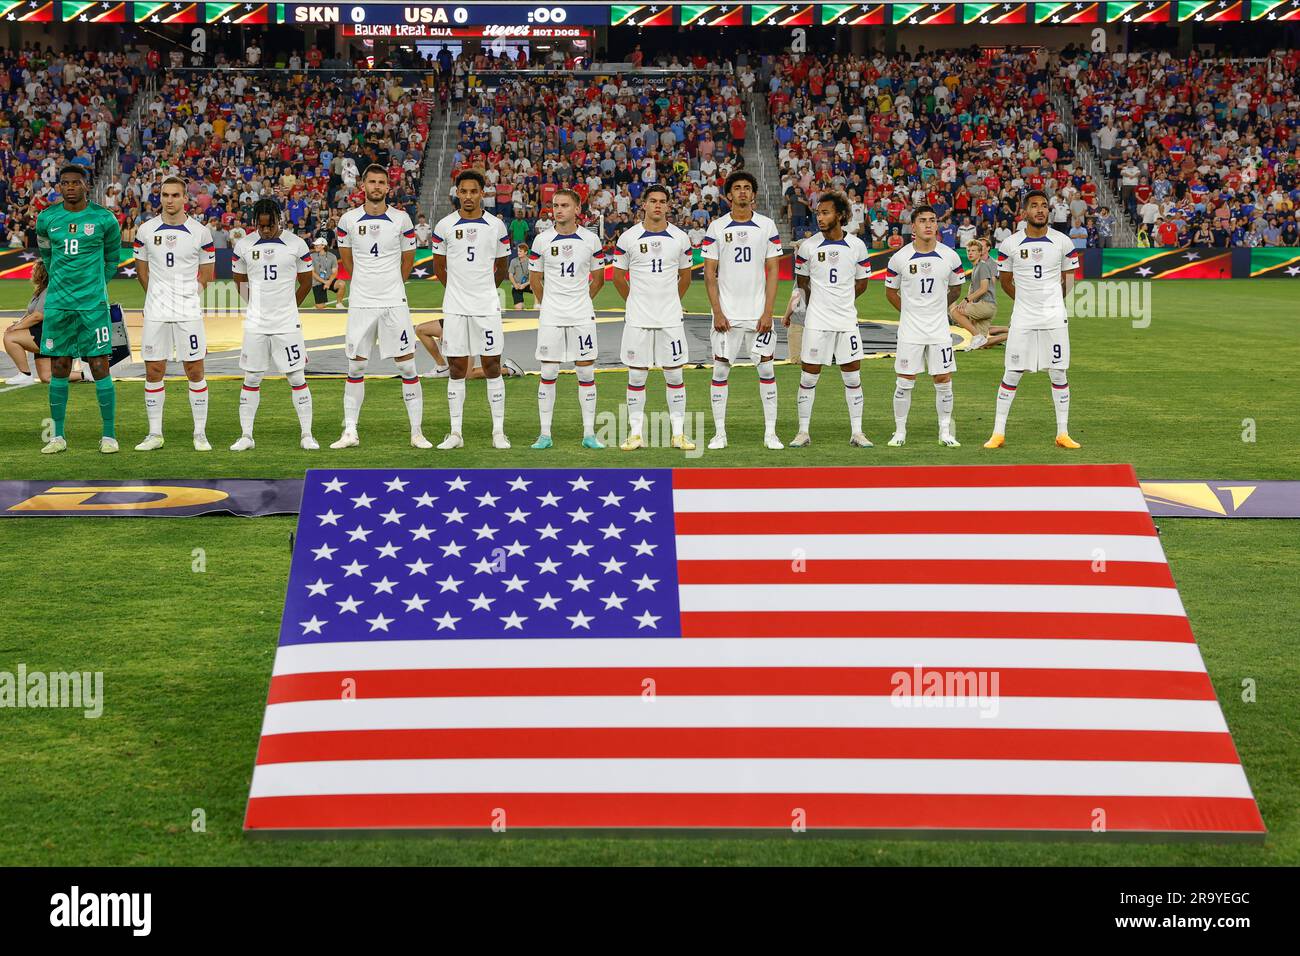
(632,443)
(996,441)
(1065,441)
(684,443)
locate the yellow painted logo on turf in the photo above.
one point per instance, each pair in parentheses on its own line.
(78,499)
(1197,495)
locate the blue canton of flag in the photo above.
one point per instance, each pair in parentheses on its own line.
(441,554)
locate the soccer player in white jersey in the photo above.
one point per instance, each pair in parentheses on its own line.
(175,260)
(1037,266)
(377,248)
(652,271)
(742,252)
(831,269)
(470,250)
(922,279)
(272,270)
(566,269)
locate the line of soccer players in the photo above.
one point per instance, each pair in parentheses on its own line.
(651,270)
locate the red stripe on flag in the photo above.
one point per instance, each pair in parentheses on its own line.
(765,810)
(849,743)
(870,571)
(956,624)
(730,682)
(910,476)
(920,522)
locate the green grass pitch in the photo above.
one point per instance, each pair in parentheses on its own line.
(187,655)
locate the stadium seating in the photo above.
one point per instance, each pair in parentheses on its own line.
(55,108)
(1196,146)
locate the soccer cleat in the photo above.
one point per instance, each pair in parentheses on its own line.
(859,440)
(978,342)
(949,441)
(592,442)
(771,441)
(899,439)
(451,441)
(244,444)
(201,442)
(801,440)
(307,443)
(718,441)
(1065,441)
(996,441)
(348,439)
(20,379)
(543,442)
(56,444)
(632,444)
(150,443)
(683,443)
(499,440)
(108,446)
(419,441)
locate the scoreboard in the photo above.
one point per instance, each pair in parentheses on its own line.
(562,18)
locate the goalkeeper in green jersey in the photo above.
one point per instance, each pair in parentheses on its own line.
(80,244)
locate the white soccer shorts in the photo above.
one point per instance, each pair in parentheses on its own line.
(824,347)
(288,350)
(464,335)
(743,340)
(566,343)
(1037,350)
(664,348)
(389,327)
(187,338)
(912,359)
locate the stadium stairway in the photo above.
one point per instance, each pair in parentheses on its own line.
(1090,163)
(760,159)
(437,162)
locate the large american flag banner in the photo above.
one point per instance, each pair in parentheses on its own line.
(926,648)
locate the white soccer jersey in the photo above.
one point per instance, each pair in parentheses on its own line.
(741,250)
(566,262)
(472,248)
(833,267)
(1037,264)
(922,280)
(174,254)
(377,244)
(272,267)
(652,261)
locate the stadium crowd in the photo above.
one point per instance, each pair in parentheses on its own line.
(1203,151)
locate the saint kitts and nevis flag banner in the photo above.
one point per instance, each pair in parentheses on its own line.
(944,649)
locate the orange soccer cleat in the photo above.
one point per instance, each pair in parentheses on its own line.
(1065,441)
(996,441)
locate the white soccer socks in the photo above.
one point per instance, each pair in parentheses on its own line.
(250,395)
(943,405)
(636,379)
(1006,395)
(412,395)
(155,394)
(546,396)
(675,392)
(301,395)
(902,403)
(354,393)
(853,399)
(767,392)
(1060,400)
(587,398)
(718,395)
(456,403)
(807,396)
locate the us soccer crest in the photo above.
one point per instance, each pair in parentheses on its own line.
(1038,254)
(835,255)
(656,245)
(925,267)
(171,241)
(89,229)
(471,234)
(566,251)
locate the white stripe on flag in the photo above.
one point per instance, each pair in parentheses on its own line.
(793,500)
(1045,713)
(1019,777)
(740,652)
(929,598)
(920,547)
